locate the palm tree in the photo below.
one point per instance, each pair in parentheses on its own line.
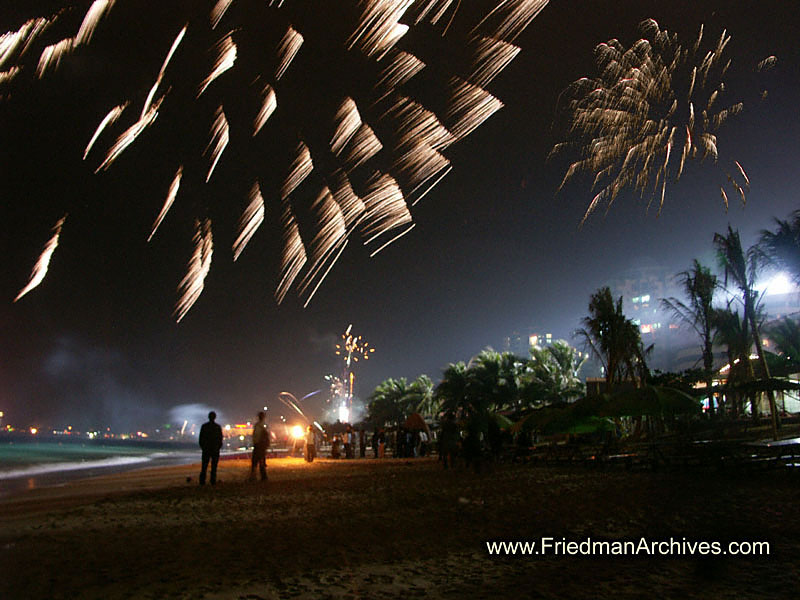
(731,331)
(390,402)
(785,335)
(494,380)
(743,268)
(614,339)
(782,246)
(422,398)
(699,285)
(551,375)
(452,389)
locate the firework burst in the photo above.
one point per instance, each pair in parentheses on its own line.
(347,112)
(651,108)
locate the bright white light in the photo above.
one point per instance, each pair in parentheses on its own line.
(344,414)
(297,432)
(779,284)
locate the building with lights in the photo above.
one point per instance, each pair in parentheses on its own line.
(642,288)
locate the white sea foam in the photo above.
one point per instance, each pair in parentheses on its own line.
(55,467)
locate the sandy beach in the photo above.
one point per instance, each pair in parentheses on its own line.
(394,529)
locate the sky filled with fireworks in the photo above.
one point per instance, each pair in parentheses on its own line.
(491,248)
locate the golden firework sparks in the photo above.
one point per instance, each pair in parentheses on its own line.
(220,136)
(649,104)
(41,266)
(199,265)
(110,118)
(250,221)
(378,152)
(171,195)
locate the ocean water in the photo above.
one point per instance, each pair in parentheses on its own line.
(26,464)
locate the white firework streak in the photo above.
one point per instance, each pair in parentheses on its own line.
(269,103)
(431,186)
(8,75)
(110,118)
(632,116)
(168,202)
(491,57)
(300,169)
(377,29)
(41,266)
(287,50)
(220,136)
(436,8)
(199,265)
(226,57)
(293,257)
(362,146)
(386,207)
(400,68)
(419,164)
(219,11)
(352,206)
(411,155)
(331,236)
(388,43)
(393,240)
(418,124)
(330,263)
(470,106)
(250,221)
(512,17)
(51,56)
(159,79)
(347,121)
(96,11)
(130,135)
(15,43)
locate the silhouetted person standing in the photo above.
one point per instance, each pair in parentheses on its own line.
(260,445)
(211,443)
(311,444)
(362,442)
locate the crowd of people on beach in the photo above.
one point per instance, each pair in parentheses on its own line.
(401,442)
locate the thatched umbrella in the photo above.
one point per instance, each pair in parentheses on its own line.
(773,384)
(415,422)
(650,400)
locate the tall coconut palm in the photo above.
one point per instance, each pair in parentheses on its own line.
(614,339)
(422,398)
(551,375)
(732,332)
(699,285)
(742,268)
(785,335)
(782,246)
(494,380)
(390,402)
(452,391)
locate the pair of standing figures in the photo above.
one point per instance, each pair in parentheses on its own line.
(211,444)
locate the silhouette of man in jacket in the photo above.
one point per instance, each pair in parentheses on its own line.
(260,444)
(211,443)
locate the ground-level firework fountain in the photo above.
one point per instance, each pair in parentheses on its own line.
(351,350)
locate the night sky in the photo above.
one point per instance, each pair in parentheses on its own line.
(496,249)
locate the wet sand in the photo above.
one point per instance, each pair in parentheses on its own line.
(394,529)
